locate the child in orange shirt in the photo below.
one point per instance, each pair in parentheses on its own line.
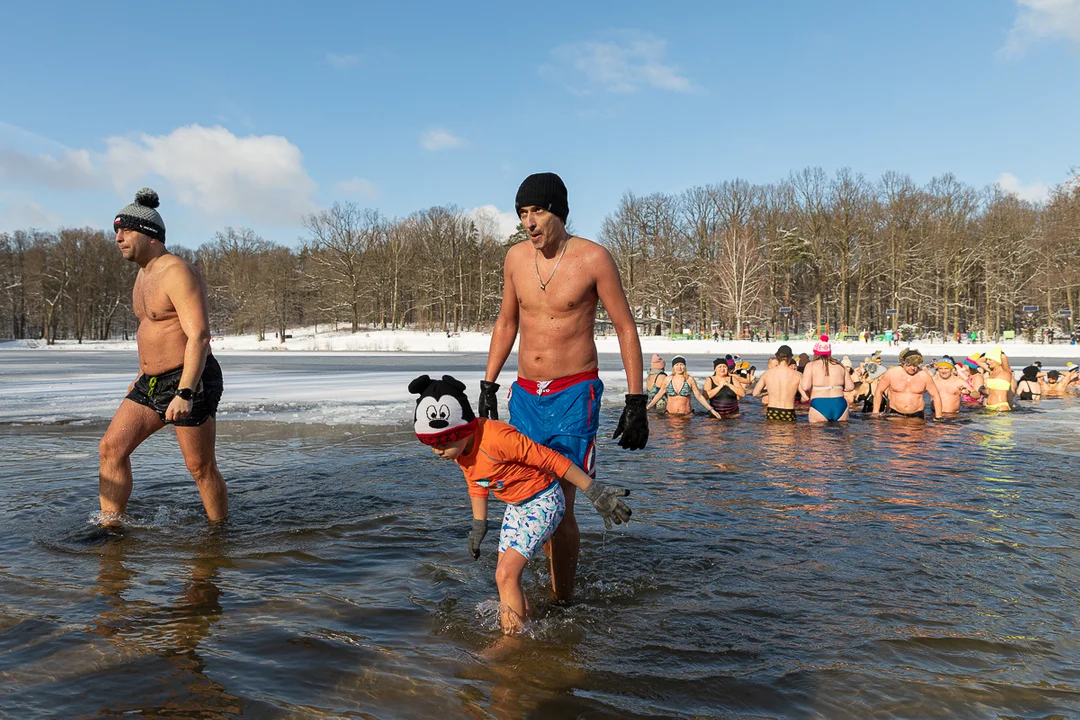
(496,458)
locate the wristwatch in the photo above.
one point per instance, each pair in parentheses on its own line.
(184,393)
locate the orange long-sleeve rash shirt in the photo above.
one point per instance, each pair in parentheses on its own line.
(508,464)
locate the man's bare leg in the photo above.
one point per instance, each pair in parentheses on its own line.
(130,426)
(197,444)
(563,549)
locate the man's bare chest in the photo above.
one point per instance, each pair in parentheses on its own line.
(950,387)
(908,384)
(570,294)
(150,301)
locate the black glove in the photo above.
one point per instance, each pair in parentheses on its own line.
(489,401)
(607,503)
(476,536)
(634,423)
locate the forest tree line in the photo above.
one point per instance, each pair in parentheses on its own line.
(839,251)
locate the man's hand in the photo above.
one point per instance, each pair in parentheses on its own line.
(476,536)
(608,503)
(488,406)
(178,409)
(634,423)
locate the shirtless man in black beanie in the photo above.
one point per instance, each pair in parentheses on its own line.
(551,288)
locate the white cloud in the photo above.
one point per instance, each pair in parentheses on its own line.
(18,212)
(439,139)
(68,170)
(1035,192)
(260,178)
(357,187)
(1039,19)
(629,62)
(498,224)
(343,61)
(216,172)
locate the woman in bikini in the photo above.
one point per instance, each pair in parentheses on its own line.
(970,372)
(826,380)
(676,388)
(723,390)
(1031,386)
(652,382)
(1000,385)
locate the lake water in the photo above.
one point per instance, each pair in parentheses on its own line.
(889,568)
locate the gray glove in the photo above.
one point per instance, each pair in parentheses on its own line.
(476,536)
(607,503)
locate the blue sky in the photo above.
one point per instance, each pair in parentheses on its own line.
(247,114)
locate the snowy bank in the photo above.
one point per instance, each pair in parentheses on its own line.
(306,340)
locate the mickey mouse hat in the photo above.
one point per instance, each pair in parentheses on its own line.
(443,414)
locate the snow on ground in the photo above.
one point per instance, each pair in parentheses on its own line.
(413,341)
(53,389)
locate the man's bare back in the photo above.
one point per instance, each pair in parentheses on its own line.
(782,385)
(161,338)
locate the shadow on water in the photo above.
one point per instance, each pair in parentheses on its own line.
(888,568)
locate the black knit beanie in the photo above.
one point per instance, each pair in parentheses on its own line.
(545,190)
(142,215)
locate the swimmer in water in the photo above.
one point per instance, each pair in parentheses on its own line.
(970,372)
(677,388)
(723,390)
(949,386)
(496,458)
(906,385)
(652,382)
(1000,385)
(781,383)
(1031,386)
(827,381)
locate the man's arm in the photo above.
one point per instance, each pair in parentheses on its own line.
(760,384)
(506,327)
(935,394)
(188,295)
(701,398)
(879,390)
(610,291)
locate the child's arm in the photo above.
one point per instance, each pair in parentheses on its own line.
(607,501)
(479,525)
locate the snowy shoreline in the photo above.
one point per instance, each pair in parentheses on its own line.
(381,342)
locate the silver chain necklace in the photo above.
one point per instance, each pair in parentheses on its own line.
(536,264)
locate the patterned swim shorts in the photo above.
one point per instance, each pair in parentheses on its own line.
(526,527)
(783,414)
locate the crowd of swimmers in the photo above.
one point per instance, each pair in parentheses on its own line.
(828,390)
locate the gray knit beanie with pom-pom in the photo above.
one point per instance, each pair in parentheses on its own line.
(142,215)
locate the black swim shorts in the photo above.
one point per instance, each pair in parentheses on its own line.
(157,391)
(916,414)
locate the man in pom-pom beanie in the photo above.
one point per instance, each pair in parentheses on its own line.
(179,382)
(553,283)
